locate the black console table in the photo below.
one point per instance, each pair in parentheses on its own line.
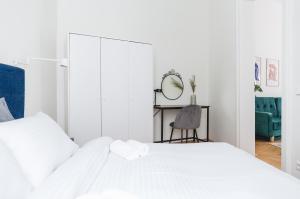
(163,108)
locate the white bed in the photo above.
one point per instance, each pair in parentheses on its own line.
(193,171)
(38,161)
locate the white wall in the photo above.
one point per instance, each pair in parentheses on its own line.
(223,73)
(268,16)
(28,30)
(179,32)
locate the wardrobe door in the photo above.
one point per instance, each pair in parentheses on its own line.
(115,88)
(141,92)
(84,88)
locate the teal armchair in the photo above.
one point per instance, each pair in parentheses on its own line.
(268,117)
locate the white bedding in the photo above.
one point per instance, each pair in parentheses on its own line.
(194,171)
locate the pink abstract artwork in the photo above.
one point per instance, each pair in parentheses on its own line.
(272,73)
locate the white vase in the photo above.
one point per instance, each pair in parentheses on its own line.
(193,99)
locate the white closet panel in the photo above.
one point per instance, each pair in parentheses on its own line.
(140,92)
(115,88)
(110,89)
(84,88)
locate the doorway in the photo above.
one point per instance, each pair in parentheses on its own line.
(260,45)
(268,40)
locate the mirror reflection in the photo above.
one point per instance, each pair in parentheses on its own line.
(172,85)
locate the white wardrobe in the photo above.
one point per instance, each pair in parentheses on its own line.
(110,89)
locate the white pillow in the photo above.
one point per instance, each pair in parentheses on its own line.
(5,114)
(38,144)
(13,183)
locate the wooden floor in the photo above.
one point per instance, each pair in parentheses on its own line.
(268,153)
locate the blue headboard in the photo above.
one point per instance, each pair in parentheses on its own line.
(12,87)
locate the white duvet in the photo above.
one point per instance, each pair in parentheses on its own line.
(193,171)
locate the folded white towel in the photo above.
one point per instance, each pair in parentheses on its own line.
(124,150)
(129,150)
(143,149)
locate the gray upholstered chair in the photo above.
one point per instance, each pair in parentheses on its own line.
(187,119)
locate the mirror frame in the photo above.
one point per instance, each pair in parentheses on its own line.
(171,73)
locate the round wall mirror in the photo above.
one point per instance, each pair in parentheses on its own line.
(172,85)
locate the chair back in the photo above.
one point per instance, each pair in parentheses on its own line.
(188,118)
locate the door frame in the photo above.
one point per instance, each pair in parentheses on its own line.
(286,153)
(251,149)
(287,116)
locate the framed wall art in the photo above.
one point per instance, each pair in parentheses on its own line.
(272,73)
(257,69)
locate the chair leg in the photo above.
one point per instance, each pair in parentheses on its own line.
(196,135)
(181,135)
(171,135)
(187,135)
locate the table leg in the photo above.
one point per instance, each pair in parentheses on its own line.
(162,126)
(207,125)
